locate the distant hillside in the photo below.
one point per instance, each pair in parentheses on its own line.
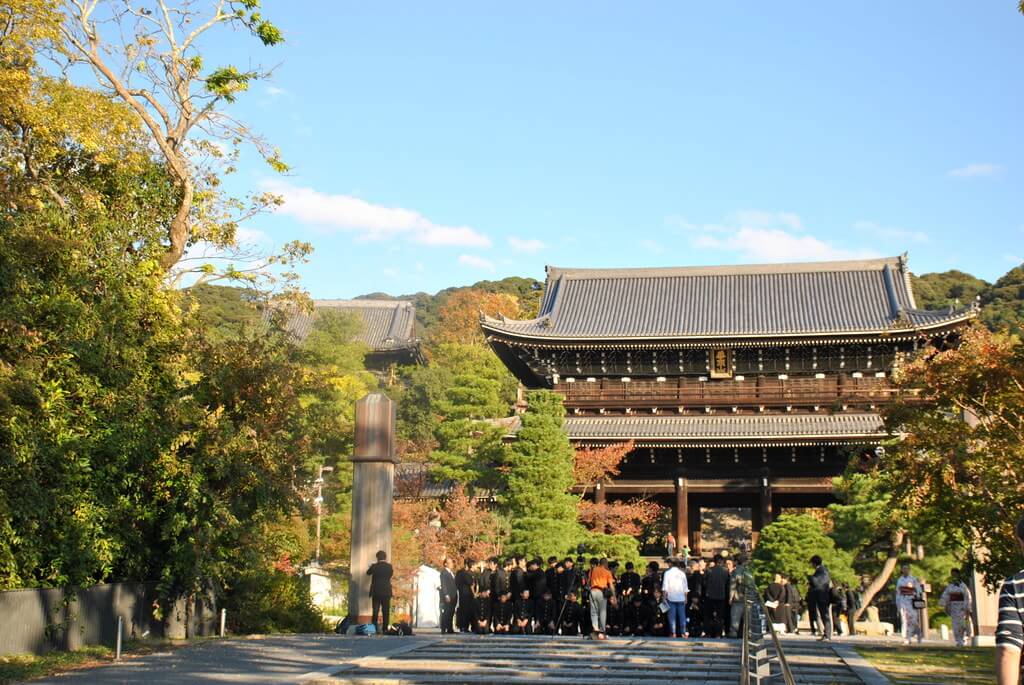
(1002,302)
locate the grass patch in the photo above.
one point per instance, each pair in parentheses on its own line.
(17,668)
(909,665)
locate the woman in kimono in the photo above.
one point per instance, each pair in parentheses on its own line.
(909,588)
(956,601)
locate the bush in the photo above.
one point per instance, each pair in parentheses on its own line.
(272,601)
(787,545)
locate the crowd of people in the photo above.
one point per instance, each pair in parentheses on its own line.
(594,597)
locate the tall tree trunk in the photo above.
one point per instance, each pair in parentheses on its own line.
(178,231)
(880,580)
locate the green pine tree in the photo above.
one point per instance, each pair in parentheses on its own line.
(541,510)
(787,545)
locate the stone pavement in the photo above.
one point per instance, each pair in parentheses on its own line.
(432,658)
(573,661)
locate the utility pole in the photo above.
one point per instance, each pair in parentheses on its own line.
(319,482)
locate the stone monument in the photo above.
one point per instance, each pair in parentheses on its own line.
(373,477)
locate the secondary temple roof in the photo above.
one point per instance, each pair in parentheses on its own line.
(725,428)
(869,296)
(387,324)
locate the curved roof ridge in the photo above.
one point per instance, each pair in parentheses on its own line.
(362,303)
(875,264)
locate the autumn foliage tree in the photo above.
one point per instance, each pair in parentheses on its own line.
(963,456)
(459,316)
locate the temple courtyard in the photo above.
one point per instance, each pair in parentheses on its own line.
(429,657)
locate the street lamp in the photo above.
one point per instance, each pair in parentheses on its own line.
(319,482)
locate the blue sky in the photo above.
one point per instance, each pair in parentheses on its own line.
(437,144)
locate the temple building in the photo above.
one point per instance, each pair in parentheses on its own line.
(388,329)
(741,386)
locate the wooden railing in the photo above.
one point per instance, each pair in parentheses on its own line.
(750,391)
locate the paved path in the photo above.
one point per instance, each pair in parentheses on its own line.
(427,659)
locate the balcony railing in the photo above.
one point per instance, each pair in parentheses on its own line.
(761,391)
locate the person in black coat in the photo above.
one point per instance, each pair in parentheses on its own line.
(536,583)
(569,579)
(629,583)
(517,578)
(483,579)
(449,596)
(465,582)
(552,574)
(522,623)
(819,595)
(380,574)
(572,615)
(716,603)
(651,580)
(792,603)
(482,612)
(547,615)
(695,599)
(502,614)
(775,600)
(633,617)
(613,623)
(499,577)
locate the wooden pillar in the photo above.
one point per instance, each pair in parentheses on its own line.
(767,512)
(682,514)
(599,498)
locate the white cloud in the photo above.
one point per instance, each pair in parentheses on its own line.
(525,244)
(476,262)
(389,271)
(369,221)
(762,236)
(274,91)
(1013,259)
(252,237)
(890,232)
(976,169)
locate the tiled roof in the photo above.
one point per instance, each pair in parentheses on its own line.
(848,297)
(725,427)
(387,324)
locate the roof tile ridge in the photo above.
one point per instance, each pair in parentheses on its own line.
(367,304)
(867,264)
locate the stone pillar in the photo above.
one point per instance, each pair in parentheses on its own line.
(682,513)
(372,496)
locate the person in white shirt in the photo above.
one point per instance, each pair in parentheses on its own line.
(674,585)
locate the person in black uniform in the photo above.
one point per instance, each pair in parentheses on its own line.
(502,614)
(547,615)
(553,574)
(569,580)
(650,582)
(657,621)
(571,615)
(499,577)
(613,624)
(449,596)
(380,574)
(536,583)
(517,578)
(465,582)
(695,599)
(629,583)
(482,612)
(523,621)
(792,604)
(483,578)
(633,617)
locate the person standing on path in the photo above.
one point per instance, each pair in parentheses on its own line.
(602,586)
(716,593)
(908,589)
(675,587)
(465,583)
(1010,630)
(380,574)
(956,601)
(670,545)
(737,594)
(818,595)
(449,595)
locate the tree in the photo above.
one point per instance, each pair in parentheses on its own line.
(467,530)
(947,289)
(787,545)
(539,505)
(459,315)
(961,458)
(1003,303)
(148,57)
